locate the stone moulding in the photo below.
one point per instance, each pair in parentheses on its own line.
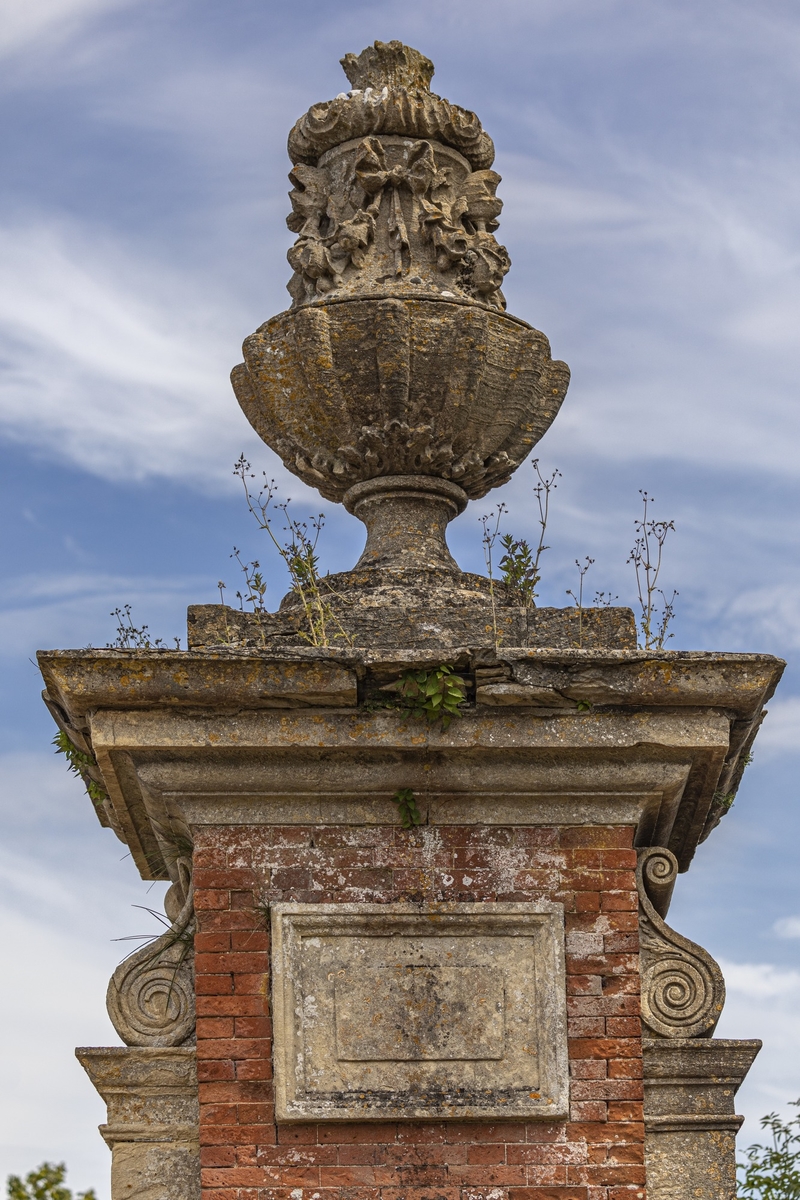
(683,991)
(221,733)
(403,1011)
(403,110)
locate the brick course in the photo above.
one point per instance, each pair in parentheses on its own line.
(597,1155)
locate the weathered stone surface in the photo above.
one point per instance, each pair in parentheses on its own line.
(94,679)
(397,358)
(406,610)
(407,1011)
(690,1122)
(406,107)
(416,972)
(153,1120)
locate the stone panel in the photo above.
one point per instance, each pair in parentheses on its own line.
(393,1011)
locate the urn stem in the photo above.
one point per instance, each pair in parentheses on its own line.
(406,518)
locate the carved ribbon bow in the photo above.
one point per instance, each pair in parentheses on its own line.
(418,174)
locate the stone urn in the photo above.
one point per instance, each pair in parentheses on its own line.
(397,383)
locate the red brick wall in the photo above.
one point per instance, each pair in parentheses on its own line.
(596,1155)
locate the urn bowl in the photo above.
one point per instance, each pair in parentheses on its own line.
(347,391)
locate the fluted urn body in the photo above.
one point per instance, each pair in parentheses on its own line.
(397,358)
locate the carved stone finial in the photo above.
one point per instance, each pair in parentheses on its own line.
(388,64)
(683,991)
(396,361)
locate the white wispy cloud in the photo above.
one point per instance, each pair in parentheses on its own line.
(76,609)
(119,369)
(787,927)
(27,22)
(763,1001)
(64,897)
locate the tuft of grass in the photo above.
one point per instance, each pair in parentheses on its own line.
(80,765)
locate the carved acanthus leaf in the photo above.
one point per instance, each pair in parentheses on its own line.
(683,991)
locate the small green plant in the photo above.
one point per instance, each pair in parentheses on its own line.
(578,598)
(436,695)
(584,706)
(299,553)
(520,564)
(45,1183)
(80,765)
(407,808)
(519,573)
(646,556)
(132,637)
(724,800)
(773,1172)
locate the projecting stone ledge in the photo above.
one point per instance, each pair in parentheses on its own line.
(656,740)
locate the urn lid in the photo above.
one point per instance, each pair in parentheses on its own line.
(390,95)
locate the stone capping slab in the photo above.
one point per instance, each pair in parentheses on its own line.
(151,1093)
(85,680)
(349,979)
(690,1083)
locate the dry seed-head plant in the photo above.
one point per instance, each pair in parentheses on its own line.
(298,551)
(646,556)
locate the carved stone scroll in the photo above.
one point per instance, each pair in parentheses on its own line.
(150,996)
(683,991)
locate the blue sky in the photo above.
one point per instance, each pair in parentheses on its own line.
(651,176)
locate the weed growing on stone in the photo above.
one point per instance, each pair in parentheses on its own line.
(45,1183)
(80,764)
(436,695)
(133,637)
(520,563)
(723,800)
(577,599)
(646,557)
(407,808)
(773,1172)
(299,553)
(490,523)
(519,573)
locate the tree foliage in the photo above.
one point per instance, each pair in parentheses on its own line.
(45,1183)
(772,1172)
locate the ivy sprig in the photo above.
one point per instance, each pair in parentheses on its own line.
(406,803)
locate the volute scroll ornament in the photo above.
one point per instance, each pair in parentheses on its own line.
(150,997)
(683,991)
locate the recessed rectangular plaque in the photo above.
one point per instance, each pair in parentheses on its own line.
(409,1012)
(397,1010)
